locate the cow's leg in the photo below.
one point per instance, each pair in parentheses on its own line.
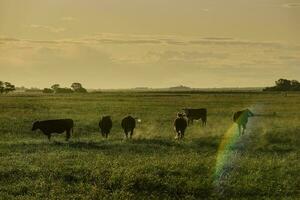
(68,135)
(131,133)
(177,134)
(126,134)
(182,134)
(49,137)
(244,128)
(239,126)
(106,135)
(202,120)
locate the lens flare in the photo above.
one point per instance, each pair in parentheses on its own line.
(226,150)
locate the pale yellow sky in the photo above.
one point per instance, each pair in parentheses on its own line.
(154,43)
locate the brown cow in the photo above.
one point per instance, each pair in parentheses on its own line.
(196,114)
(180,125)
(241,119)
(54,126)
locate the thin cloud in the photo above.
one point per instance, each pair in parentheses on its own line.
(68,19)
(47,28)
(292,5)
(205,10)
(56,42)
(153,40)
(8,39)
(233,42)
(217,38)
(118,41)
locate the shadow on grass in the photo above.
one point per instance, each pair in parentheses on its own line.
(135,146)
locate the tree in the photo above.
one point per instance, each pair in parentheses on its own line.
(284,85)
(8,87)
(1,87)
(47,90)
(64,90)
(77,87)
(55,87)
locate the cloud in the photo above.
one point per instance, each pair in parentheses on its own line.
(233,42)
(57,42)
(217,38)
(8,39)
(183,56)
(128,41)
(291,5)
(47,28)
(143,59)
(205,10)
(68,19)
(175,40)
(119,39)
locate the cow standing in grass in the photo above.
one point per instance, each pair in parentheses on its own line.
(105,125)
(49,127)
(128,124)
(241,119)
(196,114)
(180,125)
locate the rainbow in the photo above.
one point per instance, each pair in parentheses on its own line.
(225,153)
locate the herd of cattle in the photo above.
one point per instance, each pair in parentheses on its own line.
(128,124)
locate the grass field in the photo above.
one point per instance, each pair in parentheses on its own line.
(210,163)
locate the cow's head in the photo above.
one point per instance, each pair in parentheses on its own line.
(180,115)
(249,113)
(35,126)
(185,110)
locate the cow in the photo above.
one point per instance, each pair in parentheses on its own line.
(54,126)
(180,124)
(128,124)
(241,119)
(105,125)
(196,114)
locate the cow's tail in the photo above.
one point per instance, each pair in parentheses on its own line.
(138,119)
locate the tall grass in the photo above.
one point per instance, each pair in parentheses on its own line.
(264,163)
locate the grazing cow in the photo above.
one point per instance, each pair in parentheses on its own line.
(55,126)
(241,118)
(105,125)
(196,114)
(180,125)
(128,125)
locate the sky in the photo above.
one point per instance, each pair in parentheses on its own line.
(149,43)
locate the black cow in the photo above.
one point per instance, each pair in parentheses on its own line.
(105,125)
(55,126)
(180,125)
(128,124)
(241,118)
(196,114)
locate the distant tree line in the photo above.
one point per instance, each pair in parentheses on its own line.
(284,85)
(6,87)
(75,88)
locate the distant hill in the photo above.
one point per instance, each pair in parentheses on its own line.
(180,87)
